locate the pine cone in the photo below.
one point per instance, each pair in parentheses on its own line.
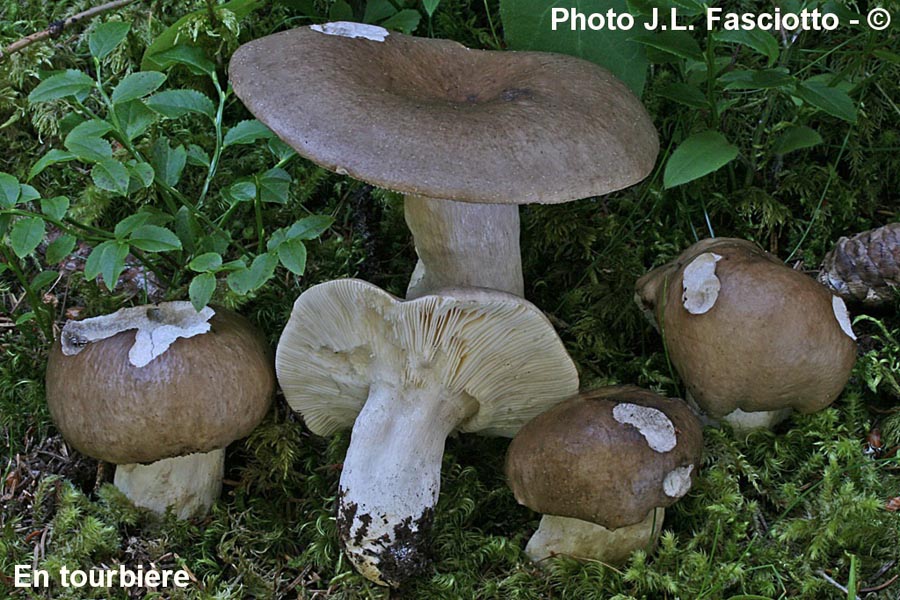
(866,267)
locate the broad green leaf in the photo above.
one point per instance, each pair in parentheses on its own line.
(110,175)
(527,26)
(699,155)
(242,191)
(201,290)
(89,129)
(168,162)
(197,156)
(309,227)
(208,261)
(246,280)
(25,235)
(89,149)
(831,100)
(755,39)
(430,6)
(762,79)
(55,207)
(141,173)
(247,132)
(69,83)
(134,117)
(340,11)
(292,255)
(108,261)
(677,43)
(279,149)
(9,190)
(130,223)
(152,238)
(190,56)
(273,186)
(684,93)
(59,249)
(43,279)
(378,10)
(405,21)
(137,85)
(106,36)
(28,193)
(177,103)
(5,220)
(51,158)
(276,238)
(796,137)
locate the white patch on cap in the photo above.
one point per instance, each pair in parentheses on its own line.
(701,286)
(652,423)
(158,326)
(353,30)
(678,482)
(842,316)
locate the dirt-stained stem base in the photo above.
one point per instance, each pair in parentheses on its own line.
(587,541)
(189,485)
(464,245)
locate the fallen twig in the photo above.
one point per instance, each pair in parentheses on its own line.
(56,28)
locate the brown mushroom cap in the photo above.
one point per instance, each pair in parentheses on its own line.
(772,338)
(199,395)
(586,459)
(434,118)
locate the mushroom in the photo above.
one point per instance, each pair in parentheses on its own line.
(751,338)
(465,134)
(602,466)
(160,390)
(405,375)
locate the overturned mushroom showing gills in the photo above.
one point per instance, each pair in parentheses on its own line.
(865,268)
(405,375)
(602,466)
(465,134)
(751,338)
(160,390)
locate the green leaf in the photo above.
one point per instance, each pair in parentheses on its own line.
(677,43)
(5,220)
(43,279)
(25,235)
(208,261)
(247,132)
(9,190)
(69,83)
(340,11)
(201,290)
(55,207)
(141,173)
(244,281)
(25,318)
(796,137)
(177,103)
(526,25)
(831,100)
(106,36)
(197,156)
(699,155)
(89,129)
(168,162)
(756,39)
(378,10)
(242,191)
(88,149)
(28,193)
(405,21)
(110,175)
(51,158)
(761,79)
(129,224)
(59,249)
(134,117)
(152,238)
(190,56)
(279,149)
(273,186)
(292,255)
(309,227)
(137,85)
(108,261)
(430,6)
(684,93)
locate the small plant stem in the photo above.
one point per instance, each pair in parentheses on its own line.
(38,307)
(217,153)
(257,207)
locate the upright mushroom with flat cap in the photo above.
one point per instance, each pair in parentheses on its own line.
(465,134)
(602,466)
(405,375)
(751,338)
(160,390)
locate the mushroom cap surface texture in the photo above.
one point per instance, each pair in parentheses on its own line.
(747,332)
(200,394)
(608,456)
(494,351)
(434,118)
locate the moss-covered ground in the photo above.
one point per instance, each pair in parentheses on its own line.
(800,512)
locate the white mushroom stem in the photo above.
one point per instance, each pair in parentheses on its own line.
(461,244)
(745,422)
(392,476)
(585,540)
(189,485)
